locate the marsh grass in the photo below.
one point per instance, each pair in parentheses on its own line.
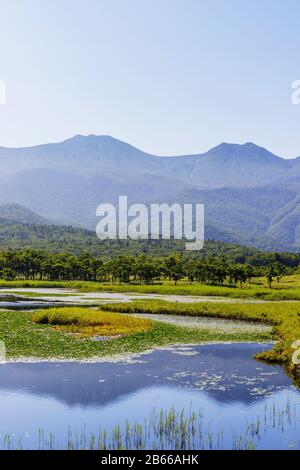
(25,338)
(88,322)
(284,316)
(39,294)
(287,289)
(170,429)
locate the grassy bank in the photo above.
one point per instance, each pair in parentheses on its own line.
(25,338)
(38,294)
(287,289)
(284,316)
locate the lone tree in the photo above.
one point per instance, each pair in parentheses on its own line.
(270,274)
(279,270)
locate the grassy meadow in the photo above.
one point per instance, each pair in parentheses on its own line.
(287,289)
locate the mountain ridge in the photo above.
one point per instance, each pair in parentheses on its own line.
(250,194)
(98,137)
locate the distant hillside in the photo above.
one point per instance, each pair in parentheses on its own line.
(59,239)
(251,195)
(15,213)
(266,217)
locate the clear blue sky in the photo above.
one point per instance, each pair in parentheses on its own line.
(168,76)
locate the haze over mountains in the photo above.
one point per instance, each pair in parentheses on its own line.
(251,196)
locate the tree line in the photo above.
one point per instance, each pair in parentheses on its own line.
(33,264)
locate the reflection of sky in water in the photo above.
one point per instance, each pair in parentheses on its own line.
(222,380)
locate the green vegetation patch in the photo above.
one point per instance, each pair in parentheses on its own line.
(88,322)
(287,289)
(285,316)
(39,294)
(25,338)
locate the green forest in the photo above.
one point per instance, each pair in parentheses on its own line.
(67,239)
(216,270)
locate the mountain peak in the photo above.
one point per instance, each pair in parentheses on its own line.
(249,150)
(81,137)
(94,139)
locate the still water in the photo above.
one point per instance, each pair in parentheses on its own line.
(223,381)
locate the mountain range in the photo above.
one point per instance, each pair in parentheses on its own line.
(251,196)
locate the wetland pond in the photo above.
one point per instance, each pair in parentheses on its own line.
(243,403)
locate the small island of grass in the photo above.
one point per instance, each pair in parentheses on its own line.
(68,334)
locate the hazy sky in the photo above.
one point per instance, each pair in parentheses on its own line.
(168,76)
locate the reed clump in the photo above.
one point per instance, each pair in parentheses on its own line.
(170,429)
(89,322)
